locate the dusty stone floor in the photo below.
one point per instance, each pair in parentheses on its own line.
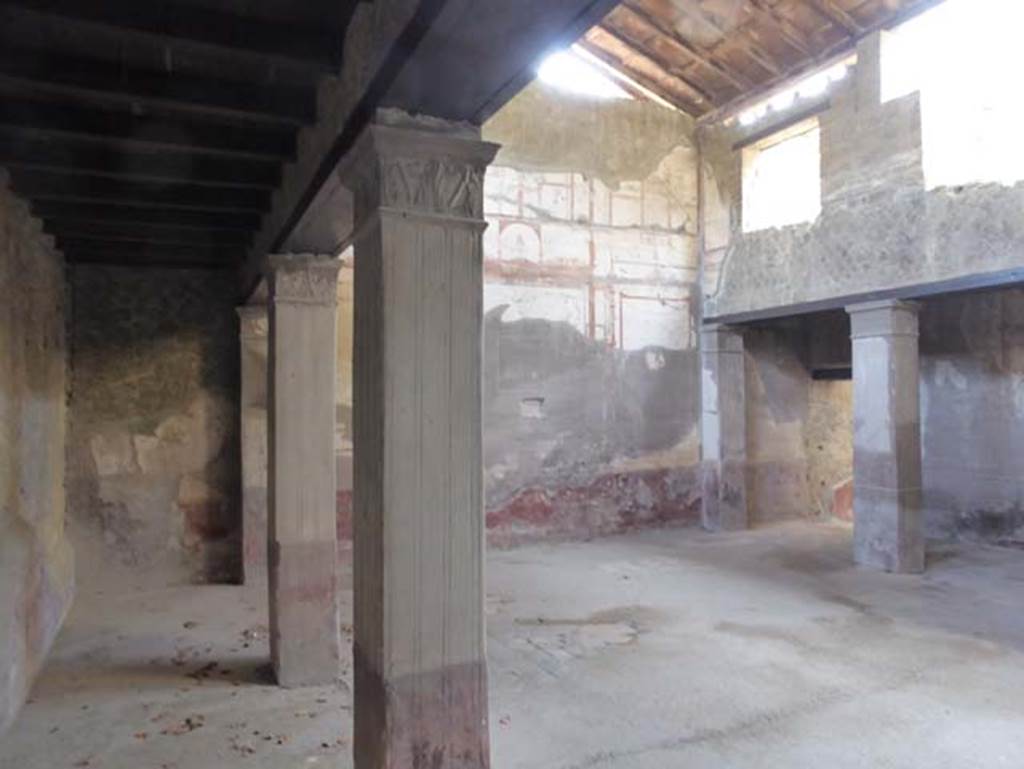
(649,651)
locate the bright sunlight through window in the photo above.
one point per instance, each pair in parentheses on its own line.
(806,88)
(962,57)
(782,178)
(569,71)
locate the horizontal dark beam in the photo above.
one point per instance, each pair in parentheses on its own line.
(151,233)
(968,284)
(77,250)
(204,95)
(54,153)
(139,214)
(104,125)
(41,185)
(311,45)
(87,259)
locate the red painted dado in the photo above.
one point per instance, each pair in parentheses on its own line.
(345,504)
(612,503)
(842,500)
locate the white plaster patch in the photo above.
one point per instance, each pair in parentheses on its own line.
(947,374)
(1017,383)
(113,454)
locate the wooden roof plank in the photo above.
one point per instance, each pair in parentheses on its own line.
(316,45)
(698,55)
(701,95)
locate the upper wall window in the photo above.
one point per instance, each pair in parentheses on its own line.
(782,178)
(959,57)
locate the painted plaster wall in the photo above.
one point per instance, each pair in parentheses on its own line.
(591,372)
(972,416)
(36,560)
(799,430)
(879,227)
(154,437)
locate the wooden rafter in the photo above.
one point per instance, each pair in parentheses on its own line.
(686,104)
(701,95)
(703,57)
(750,46)
(837,16)
(788,32)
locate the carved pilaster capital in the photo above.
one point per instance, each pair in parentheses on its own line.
(420,166)
(303,279)
(253,321)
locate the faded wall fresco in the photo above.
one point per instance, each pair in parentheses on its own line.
(36,561)
(154,438)
(592,376)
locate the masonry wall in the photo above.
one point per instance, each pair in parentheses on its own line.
(591,375)
(154,438)
(36,562)
(879,228)
(972,416)
(799,430)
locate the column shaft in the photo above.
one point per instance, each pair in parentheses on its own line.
(420,668)
(888,530)
(304,638)
(253,324)
(723,430)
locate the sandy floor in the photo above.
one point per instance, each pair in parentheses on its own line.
(661,650)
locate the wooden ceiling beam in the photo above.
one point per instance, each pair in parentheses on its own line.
(150,233)
(751,48)
(104,125)
(111,213)
(72,157)
(311,45)
(702,96)
(153,257)
(109,80)
(837,16)
(45,185)
(685,104)
(703,58)
(789,33)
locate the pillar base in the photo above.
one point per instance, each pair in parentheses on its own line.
(724,496)
(425,720)
(888,534)
(304,640)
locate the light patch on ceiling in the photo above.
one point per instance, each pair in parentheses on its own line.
(809,87)
(569,71)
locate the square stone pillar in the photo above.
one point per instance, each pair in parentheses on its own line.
(304,632)
(888,528)
(723,429)
(420,667)
(253,328)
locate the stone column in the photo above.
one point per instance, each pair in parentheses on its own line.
(304,640)
(723,428)
(888,529)
(420,667)
(253,326)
